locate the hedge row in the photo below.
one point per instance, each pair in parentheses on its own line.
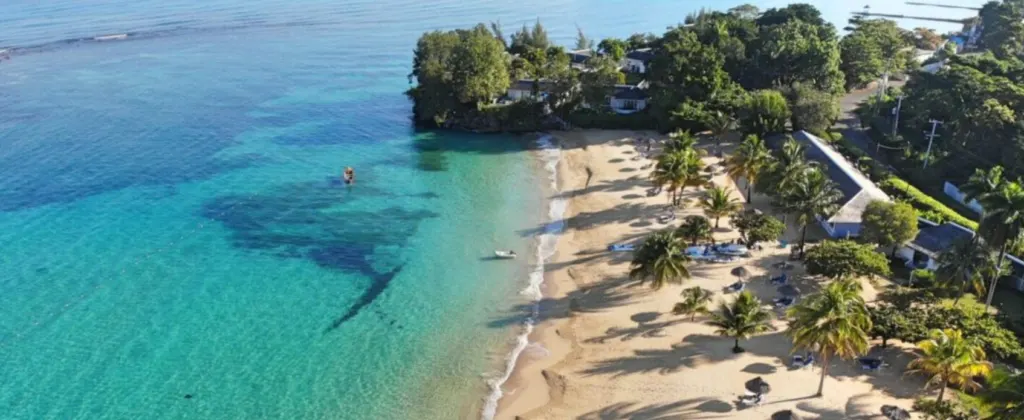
(929,207)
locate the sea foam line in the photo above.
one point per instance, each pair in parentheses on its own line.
(551,154)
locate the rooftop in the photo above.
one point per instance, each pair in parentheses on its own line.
(933,238)
(580,56)
(643,54)
(857,189)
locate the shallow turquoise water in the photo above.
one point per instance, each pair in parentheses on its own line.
(168,224)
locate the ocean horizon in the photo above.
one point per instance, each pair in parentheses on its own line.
(175,241)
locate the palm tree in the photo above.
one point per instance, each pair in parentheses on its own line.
(960,266)
(1005,395)
(695,301)
(741,319)
(788,165)
(718,203)
(949,358)
(678,170)
(694,228)
(749,161)
(660,260)
(835,322)
(1002,224)
(720,123)
(680,140)
(811,197)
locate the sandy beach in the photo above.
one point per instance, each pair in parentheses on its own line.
(608,348)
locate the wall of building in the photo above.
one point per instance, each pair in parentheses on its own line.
(952,191)
(841,230)
(622,104)
(635,66)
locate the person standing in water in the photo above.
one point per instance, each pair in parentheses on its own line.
(350,175)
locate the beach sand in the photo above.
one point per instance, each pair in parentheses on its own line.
(608,348)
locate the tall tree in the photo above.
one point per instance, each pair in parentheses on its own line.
(883,45)
(613,47)
(499,34)
(718,202)
(961,266)
(765,112)
(948,358)
(1005,395)
(794,12)
(686,70)
(787,166)
(660,260)
(582,42)
(479,69)
(812,109)
(889,224)
(1004,31)
(798,51)
(926,38)
(639,40)
(749,160)
(695,301)
(755,227)
(835,322)
(846,259)
(1002,224)
(721,123)
(694,228)
(679,169)
(743,318)
(811,197)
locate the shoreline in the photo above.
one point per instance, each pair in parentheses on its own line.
(550,156)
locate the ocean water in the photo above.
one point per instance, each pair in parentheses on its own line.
(173,239)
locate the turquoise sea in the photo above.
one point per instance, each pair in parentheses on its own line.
(173,241)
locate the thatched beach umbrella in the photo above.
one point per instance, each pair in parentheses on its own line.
(758,386)
(789,290)
(740,272)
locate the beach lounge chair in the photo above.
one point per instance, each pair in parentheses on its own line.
(783,244)
(750,398)
(784,302)
(779,280)
(621,247)
(665,218)
(736,287)
(800,362)
(871,364)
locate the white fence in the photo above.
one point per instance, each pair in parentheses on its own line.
(952,191)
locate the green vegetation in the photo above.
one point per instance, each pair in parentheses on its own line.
(741,319)
(949,358)
(694,229)
(660,260)
(695,301)
(699,76)
(835,323)
(749,160)
(889,224)
(928,207)
(717,203)
(755,227)
(846,259)
(809,196)
(867,50)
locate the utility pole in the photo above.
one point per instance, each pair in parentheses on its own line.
(931,138)
(895,123)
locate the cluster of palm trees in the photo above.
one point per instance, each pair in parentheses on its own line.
(795,185)
(1001,227)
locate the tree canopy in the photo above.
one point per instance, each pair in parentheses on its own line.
(845,259)
(873,46)
(755,227)
(888,224)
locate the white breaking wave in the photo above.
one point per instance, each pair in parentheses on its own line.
(551,154)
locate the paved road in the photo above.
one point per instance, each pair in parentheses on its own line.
(848,123)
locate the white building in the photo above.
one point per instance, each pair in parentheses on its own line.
(636,61)
(528,89)
(628,99)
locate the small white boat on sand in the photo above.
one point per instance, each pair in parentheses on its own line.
(505,255)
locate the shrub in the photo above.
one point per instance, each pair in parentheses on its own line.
(928,206)
(923,277)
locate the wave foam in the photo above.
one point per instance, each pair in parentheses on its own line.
(547,242)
